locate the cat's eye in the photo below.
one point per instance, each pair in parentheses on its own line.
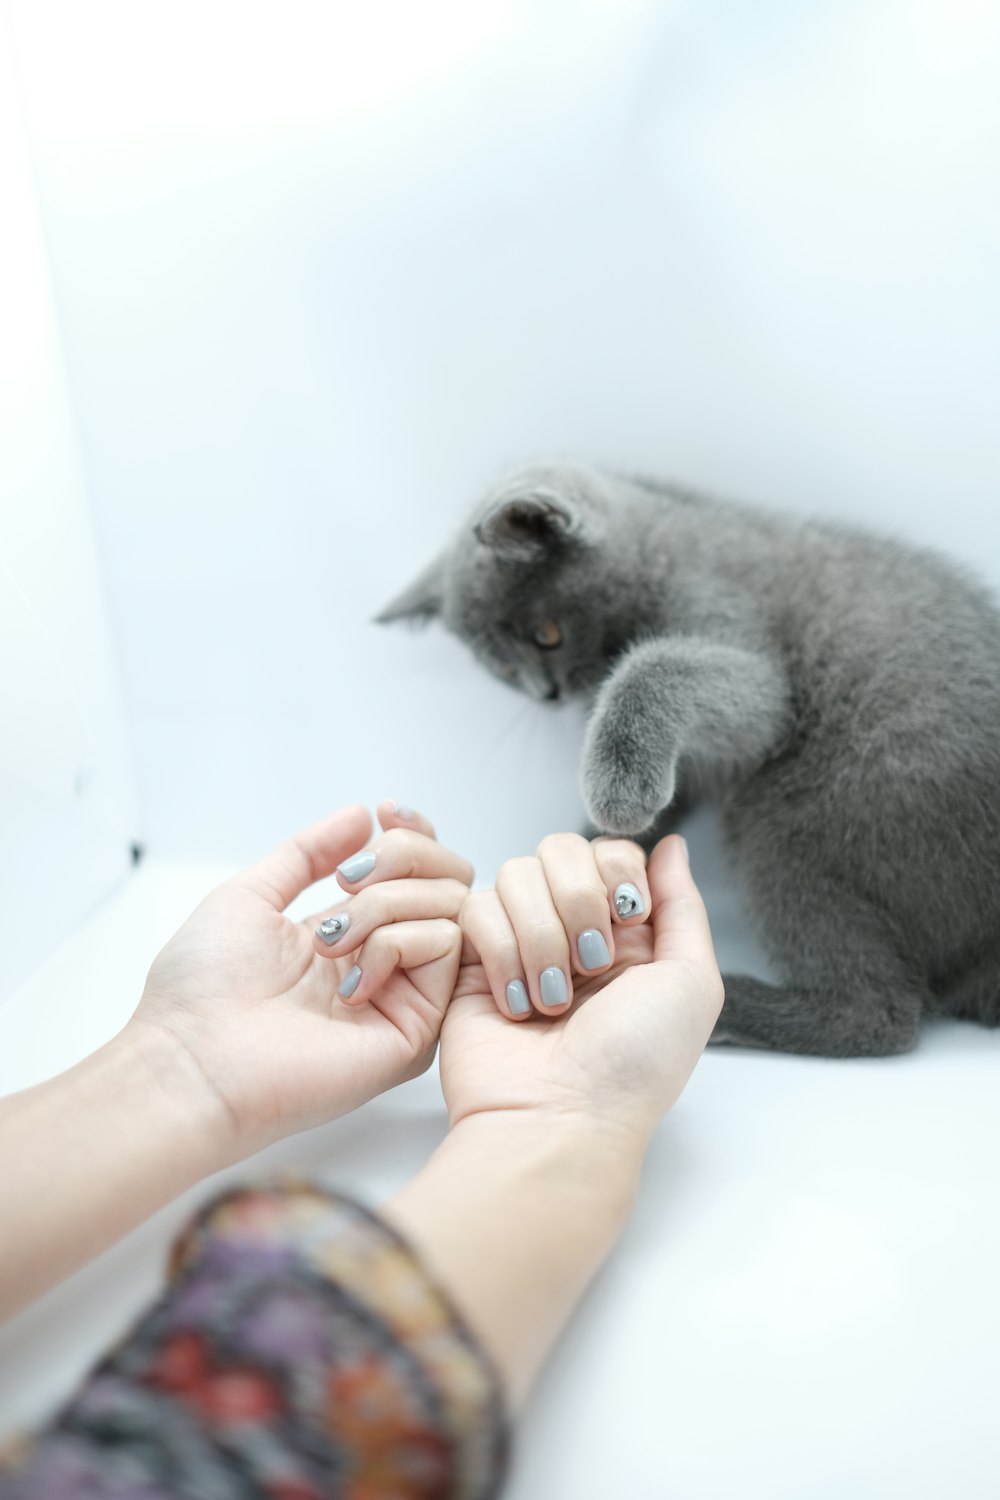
(548,636)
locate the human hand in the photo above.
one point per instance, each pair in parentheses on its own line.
(556,914)
(285,1030)
(616,1058)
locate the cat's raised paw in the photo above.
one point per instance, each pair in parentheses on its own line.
(623,802)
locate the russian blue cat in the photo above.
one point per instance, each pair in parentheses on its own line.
(836,693)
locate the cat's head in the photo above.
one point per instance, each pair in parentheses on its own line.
(528,582)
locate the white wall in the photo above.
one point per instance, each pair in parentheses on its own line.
(67,811)
(323,269)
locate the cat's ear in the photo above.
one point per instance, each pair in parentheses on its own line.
(421,600)
(527,526)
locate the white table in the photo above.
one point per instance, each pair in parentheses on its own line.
(804,1305)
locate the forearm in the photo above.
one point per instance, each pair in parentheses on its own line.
(87,1156)
(515,1214)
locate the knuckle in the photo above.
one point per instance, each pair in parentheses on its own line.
(475,907)
(623,849)
(553,845)
(403,845)
(503,957)
(584,894)
(541,936)
(513,871)
(455,894)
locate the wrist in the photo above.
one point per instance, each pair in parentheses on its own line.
(565,1151)
(514,1212)
(176,1089)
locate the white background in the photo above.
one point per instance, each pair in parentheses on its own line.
(324,269)
(67,804)
(319,272)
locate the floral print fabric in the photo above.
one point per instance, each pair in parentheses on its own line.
(301,1352)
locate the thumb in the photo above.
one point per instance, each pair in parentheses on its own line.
(307,857)
(680,921)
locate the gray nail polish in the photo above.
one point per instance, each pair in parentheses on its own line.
(554,988)
(332,929)
(349,983)
(358,866)
(517,998)
(592,948)
(628,900)
(402,811)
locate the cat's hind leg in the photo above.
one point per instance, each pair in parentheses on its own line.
(971,992)
(850,989)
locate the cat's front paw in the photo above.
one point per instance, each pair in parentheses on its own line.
(624,788)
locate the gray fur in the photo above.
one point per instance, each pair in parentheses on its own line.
(836,693)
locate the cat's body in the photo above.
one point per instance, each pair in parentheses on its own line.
(836,693)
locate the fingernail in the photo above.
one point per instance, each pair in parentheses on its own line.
(628,900)
(358,866)
(402,811)
(684,846)
(592,948)
(517,998)
(554,988)
(332,929)
(349,983)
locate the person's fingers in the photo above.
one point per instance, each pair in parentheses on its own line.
(580,899)
(398,815)
(306,857)
(540,935)
(680,921)
(343,927)
(488,931)
(412,946)
(402,854)
(622,865)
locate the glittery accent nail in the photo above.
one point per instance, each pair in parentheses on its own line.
(332,929)
(628,900)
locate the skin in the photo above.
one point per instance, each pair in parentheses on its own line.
(550,1122)
(240,1038)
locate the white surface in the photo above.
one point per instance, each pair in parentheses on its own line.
(324,268)
(803,1304)
(321,270)
(67,812)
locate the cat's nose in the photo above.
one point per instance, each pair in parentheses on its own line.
(552,696)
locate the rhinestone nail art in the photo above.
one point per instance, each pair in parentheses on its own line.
(332,929)
(628,900)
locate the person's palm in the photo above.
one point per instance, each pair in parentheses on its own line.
(242,988)
(627,1047)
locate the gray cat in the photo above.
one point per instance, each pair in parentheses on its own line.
(836,693)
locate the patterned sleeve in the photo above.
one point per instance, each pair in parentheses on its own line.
(300,1352)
